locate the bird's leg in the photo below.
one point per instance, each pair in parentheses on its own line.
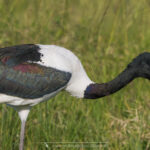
(23,114)
(23,123)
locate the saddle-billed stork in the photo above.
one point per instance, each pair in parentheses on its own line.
(33,73)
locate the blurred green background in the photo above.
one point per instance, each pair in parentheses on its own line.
(106,35)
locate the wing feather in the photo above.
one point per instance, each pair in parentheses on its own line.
(14,55)
(28,80)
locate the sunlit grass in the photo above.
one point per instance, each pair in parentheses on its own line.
(105,35)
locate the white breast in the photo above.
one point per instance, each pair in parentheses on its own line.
(63,59)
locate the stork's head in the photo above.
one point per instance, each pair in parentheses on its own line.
(141,65)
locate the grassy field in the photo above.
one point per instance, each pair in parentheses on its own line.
(105,35)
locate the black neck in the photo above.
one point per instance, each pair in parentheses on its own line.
(100,90)
(139,67)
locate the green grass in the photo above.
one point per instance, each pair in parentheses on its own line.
(105,35)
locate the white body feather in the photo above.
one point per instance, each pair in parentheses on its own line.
(61,59)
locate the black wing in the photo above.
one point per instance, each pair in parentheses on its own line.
(28,80)
(21,53)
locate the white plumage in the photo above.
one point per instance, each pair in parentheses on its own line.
(63,59)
